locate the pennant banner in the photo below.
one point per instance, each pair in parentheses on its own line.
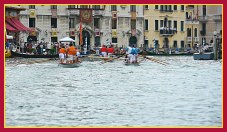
(86,16)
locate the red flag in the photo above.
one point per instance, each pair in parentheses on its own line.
(81,36)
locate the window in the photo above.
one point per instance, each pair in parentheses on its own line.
(175,7)
(170,24)
(156,7)
(53,22)
(189,31)
(71,6)
(146,7)
(53,7)
(169,8)
(156,25)
(182,44)
(204,28)
(96,22)
(114,23)
(175,44)
(133,24)
(195,32)
(133,8)
(182,26)
(71,23)
(113,8)
(31,6)
(31,22)
(114,40)
(146,24)
(165,7)
(54,39)
(84,6)
(204,10)
(161,23)
(182,7)
(96,7)
(175,25)
(146,43)
(161,8)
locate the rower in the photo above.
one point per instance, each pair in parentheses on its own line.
(71,53)
(110,50)
(62,53)
(104,51)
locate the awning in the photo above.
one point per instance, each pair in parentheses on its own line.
(10,28)
(17,24)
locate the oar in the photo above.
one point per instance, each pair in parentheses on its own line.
(112,59)
(155,61)
(160,61)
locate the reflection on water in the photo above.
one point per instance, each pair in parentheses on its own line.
(183,93)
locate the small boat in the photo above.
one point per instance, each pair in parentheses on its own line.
(15,54)
(7,54)
(98,58)
(134,64)
(68,65)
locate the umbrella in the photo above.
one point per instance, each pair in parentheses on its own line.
(67,39)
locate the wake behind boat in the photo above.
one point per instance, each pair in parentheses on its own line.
(69,65)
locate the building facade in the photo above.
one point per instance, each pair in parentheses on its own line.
(170,26)
(167,26)
(210,17)
(119,25)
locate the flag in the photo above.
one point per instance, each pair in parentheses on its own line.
(81,35)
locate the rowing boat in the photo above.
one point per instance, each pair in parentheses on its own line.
(69,65)
(134,64)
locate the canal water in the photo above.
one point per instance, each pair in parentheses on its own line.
(185,92)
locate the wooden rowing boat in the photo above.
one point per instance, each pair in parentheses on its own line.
(134,64)
(15,54)
(65,65)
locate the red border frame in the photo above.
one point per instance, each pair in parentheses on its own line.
(100,2)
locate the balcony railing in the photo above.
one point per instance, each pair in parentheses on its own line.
(191,21)
(98,12)
(167,31)
(189,39)
(74,12)
(203,18)
(196,39)
(217,17)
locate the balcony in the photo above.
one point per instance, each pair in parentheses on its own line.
(167,31)
(217,17)
(166,10)
(189,39)
(98,12)
(196,39)
(73,12)
(203,18)
(191,21)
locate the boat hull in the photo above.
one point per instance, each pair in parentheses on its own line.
(64,65)
(132,64)
(7,54)
(15,54)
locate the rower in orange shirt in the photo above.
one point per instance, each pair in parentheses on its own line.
(71,51)
(62,53)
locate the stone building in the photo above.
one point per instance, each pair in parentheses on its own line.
(117,24)
(169,26)
(210,17)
